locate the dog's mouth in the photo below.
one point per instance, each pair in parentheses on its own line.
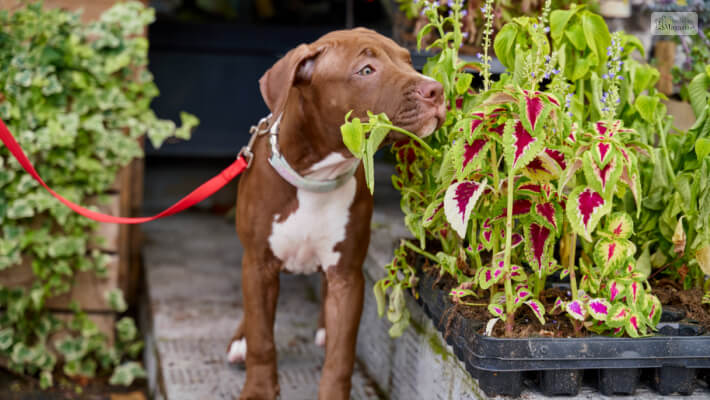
(423,121)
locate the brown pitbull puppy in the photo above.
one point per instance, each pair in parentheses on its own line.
(286,228)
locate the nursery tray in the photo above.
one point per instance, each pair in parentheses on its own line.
(671,361)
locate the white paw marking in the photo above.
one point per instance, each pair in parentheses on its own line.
(237,351)
(307,238)
(320,337)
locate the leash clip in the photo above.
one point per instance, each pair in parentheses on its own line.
(257,130)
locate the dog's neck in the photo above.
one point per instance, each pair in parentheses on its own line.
(312,148)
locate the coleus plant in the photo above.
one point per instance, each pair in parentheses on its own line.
(516,169)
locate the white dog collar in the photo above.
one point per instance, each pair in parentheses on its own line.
(284,169)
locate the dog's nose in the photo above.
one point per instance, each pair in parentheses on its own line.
(430,90)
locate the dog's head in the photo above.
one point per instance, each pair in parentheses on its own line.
(357,70)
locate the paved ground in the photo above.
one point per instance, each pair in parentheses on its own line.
(193,272)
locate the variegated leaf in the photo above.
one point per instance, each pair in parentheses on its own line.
(520,207)
(431,212)
(538,309)
(549,97)
(478,118)
(616,290)
(654,310)
(603,152)
(533,108)
(632,325)
(522,295)
(620,225)
(497,311)
(603,179)
(610,254)
(459,201)
(635,293)
(520,147)
(472,152)
(538,241)
(490,276)
(559,305)
(618,314)
(529,189)
(633,181)
(548,214)
(517,273)
(576,310)
(584,209)
(487,234)
(599,309)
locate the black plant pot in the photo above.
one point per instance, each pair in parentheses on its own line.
(677,356)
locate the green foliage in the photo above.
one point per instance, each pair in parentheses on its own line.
(77,97)
(571,141)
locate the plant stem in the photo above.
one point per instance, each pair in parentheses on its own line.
(572,243)
(510,320)
(494,164)
(413,137)
(417,250)
(662,132)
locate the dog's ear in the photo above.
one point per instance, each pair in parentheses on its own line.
(295,67)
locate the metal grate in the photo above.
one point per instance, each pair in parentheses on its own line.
(193,278)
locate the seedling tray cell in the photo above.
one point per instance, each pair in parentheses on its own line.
(675,358)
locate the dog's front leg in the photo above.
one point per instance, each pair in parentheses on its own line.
(343,307)
(260,287)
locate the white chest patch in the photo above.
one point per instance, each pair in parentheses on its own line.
(306,239)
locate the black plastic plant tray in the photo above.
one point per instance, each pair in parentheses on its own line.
(672,362)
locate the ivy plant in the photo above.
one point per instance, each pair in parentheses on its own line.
(77,97)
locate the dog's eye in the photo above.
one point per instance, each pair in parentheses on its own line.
(366,70)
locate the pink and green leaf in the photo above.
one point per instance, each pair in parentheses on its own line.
(603,179)
(538,244)
(537,309)
(616,290)
(610,255)
(576,310)
(497,311)
(529,189)
(559,305)
(490,276)
(519,146)
(599,309)
(522,295)
(517,273)
(654,310)
(548,214)
(632,180)
(459,201)
(635,292)
(585,207)
(487,234)
(520,207)
(633,325)
(603,152)
(472,153)
(431,212)
(618,314)
(620,225)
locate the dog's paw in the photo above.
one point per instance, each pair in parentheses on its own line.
(237,351)
(320,337)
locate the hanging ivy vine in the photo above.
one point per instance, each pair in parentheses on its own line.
(77,97)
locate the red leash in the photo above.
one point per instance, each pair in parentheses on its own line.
(204,191)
